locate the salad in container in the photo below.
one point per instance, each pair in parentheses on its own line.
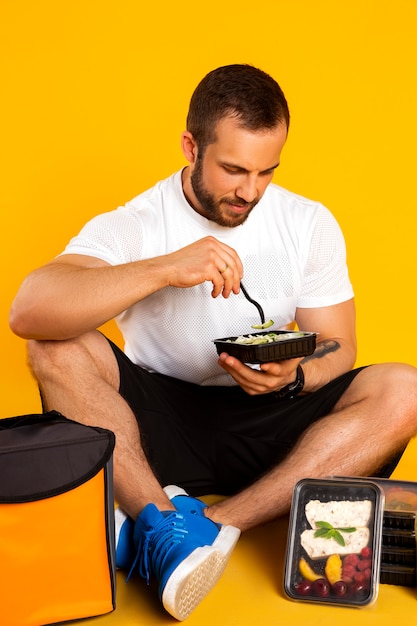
(268,346)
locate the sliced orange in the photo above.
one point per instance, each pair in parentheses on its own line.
(333,569)
(307,572)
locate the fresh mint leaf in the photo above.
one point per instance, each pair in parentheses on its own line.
(324,525)
(338,538)
(327,531)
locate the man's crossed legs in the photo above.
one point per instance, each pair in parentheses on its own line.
(175,537)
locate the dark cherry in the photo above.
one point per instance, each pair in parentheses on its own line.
(303,588)
(321,588)
(340,588)
(359,588)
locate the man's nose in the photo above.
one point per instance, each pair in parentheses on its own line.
(248,189)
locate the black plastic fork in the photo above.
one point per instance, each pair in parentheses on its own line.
(258,306)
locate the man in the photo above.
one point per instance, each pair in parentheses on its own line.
(168,267)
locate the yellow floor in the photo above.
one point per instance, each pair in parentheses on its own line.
(250,590)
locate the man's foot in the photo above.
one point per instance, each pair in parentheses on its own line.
(124,525)
(183,502)
(186,551)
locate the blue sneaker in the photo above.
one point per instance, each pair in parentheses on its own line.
(187,554)
(125,551)
(183,502)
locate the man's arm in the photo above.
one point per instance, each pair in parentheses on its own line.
(336,342)
(76,293)
(335,353)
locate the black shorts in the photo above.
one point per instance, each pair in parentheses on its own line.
(218,439)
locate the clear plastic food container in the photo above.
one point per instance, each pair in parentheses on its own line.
(400,495)
(334,542)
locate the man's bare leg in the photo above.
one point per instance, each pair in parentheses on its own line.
(373,420)
(80,378)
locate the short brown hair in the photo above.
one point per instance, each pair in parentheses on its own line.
(243,91)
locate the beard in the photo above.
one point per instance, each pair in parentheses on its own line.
(217,210)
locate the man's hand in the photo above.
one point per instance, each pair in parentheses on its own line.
(205,260)
(271,376)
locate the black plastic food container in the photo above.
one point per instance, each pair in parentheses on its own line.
(299,345)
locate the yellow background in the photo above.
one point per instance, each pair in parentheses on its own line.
(94,98)
(95,95)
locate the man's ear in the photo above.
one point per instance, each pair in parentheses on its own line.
(189,146)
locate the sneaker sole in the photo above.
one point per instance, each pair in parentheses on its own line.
(198,573)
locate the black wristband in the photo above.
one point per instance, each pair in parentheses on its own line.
(291,390)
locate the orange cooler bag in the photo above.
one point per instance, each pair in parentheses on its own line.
(56,520)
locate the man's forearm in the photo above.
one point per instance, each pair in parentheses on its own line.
(330,359)
(62,300)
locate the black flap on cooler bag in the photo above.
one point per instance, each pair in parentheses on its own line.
(57,454)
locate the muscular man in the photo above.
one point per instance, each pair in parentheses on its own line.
(168,267)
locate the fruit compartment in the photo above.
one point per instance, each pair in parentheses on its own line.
(292,348)
(334,542)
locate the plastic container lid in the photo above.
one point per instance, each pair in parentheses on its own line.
(334,542)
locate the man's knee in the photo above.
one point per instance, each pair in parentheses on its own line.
(387,386)
(45,356)
(396,380)
(90,353)
(393,391)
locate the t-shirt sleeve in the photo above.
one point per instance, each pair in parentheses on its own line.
(114,237)
(326,278)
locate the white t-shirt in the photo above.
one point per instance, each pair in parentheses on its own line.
(293,255)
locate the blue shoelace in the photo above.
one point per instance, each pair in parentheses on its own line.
(156,544)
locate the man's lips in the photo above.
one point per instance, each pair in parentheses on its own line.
(238,208)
